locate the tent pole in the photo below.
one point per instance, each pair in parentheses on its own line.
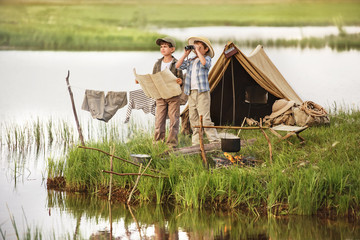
(222,94)
(233,89)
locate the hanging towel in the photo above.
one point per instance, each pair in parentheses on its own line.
(103,107)
(138,100)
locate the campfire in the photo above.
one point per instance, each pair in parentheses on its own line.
(233,159)
(227,159)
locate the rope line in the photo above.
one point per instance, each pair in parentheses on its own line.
(313,109)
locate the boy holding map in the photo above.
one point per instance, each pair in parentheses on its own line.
(170,106)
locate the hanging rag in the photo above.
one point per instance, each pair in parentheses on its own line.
(138,100)
(103,107)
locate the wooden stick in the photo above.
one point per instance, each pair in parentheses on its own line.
(231,127)
(112,150)
(136,183)
(242,124)
(74,110)
(110,220)
(203,155)
(122,159)
(267,139)
(137,180)
(269,143)
(132,174)
(137,224)
(278,135)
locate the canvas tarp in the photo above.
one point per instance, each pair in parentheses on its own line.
(229,79)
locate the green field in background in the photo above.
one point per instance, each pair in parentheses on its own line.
(131,25)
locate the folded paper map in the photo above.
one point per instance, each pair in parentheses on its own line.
(159,85)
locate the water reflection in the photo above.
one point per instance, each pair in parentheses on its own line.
(119,221)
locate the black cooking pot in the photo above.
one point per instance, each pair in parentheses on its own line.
(230,144)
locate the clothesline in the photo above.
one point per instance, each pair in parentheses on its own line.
(104,107)
(84,89)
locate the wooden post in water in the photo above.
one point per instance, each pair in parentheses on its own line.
(110,220)
(74,110)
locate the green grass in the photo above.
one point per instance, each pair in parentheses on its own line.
(319,176)
(129,25)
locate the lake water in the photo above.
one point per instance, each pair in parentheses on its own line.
(33,86)
(33,83)
(233,33)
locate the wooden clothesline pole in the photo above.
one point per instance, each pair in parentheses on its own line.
(74,110)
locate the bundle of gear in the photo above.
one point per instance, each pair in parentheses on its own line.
(289,113)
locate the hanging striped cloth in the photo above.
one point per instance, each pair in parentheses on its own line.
(138,100)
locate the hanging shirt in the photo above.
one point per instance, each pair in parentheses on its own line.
(138,100)
(103,107)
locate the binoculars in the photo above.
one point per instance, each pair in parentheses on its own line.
(190,47)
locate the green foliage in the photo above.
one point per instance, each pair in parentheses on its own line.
(124,25)
(55,168)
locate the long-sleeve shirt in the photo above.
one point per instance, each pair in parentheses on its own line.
(138,100)
(202,73)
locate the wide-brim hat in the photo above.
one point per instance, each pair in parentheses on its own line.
(166,39)
(280,106)
(210,53)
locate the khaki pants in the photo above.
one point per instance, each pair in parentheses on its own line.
(199,104)
(103,107)
(166,107)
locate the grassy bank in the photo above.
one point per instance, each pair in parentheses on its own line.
(127,25)
(319,177)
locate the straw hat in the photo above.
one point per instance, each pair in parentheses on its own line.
(191,41)
(166,39)
(280,106)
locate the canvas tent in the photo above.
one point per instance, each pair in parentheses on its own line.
(243,86)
